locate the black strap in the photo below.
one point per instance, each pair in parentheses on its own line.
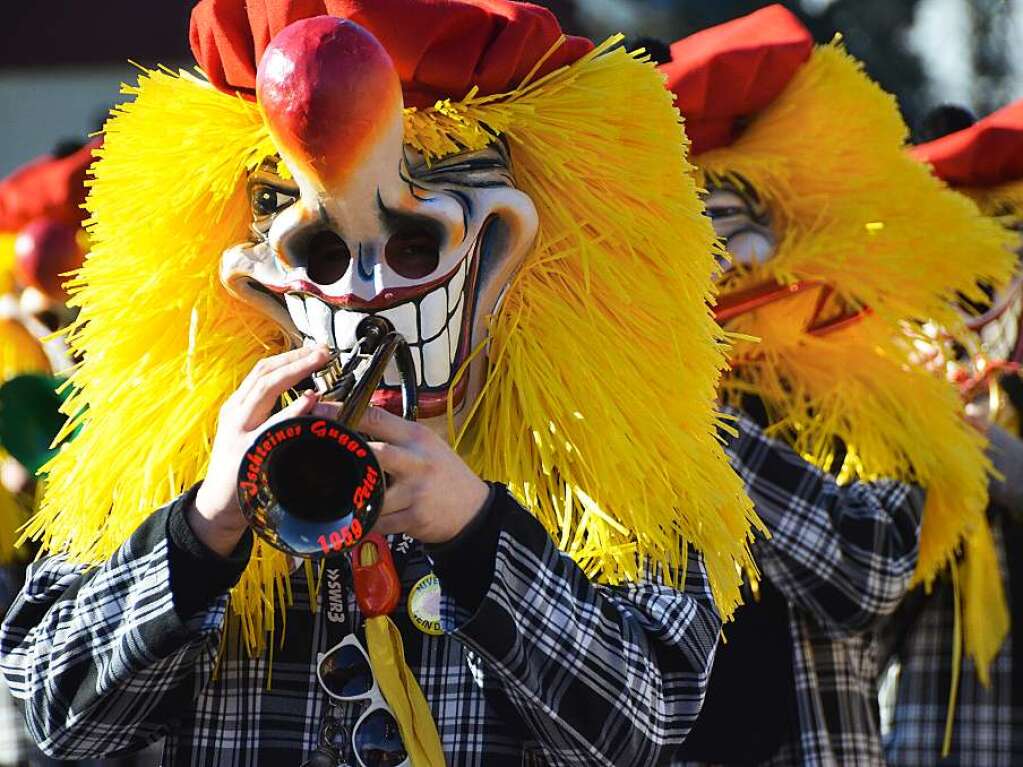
(337,573)
(334,604)
(337,580)
(401,551)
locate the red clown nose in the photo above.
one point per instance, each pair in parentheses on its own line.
(329,91)
(46,249)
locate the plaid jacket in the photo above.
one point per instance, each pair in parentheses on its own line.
(988,725)
(842,558)
(988,728)
(550,669)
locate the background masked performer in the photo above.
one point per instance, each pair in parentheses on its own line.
(21,353)
(940,694)
(466,171)
(837,239)
(40,240)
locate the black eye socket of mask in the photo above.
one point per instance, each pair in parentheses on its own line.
(971,306)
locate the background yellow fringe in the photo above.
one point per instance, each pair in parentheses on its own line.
(20,353)
(7,259)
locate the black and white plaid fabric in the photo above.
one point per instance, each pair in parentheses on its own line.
(842,557)
(988,725)
(549,670)
(15,745)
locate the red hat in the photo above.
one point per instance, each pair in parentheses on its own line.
(441,48)
(727,73)
(46,187)
(988,153)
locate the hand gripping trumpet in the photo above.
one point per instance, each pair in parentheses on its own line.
(311,486)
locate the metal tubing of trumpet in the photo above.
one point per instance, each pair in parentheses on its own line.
(358,399)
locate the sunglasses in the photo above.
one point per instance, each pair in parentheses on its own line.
(345,675)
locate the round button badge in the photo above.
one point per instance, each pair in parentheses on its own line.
(424,605)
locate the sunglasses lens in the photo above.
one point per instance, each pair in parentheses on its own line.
(345,672)
(378,742)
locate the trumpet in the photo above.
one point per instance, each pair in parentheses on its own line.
(311,486)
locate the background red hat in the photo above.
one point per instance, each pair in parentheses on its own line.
(48,187)
(988,153)
(726,74)
(441,48)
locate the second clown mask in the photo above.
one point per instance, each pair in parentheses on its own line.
(839,246)
(463,169)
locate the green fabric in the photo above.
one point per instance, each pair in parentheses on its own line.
(30,418)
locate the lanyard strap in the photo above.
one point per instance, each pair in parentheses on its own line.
(337,578)
(334,599)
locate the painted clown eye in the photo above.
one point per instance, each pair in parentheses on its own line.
(743,223)
(267,200)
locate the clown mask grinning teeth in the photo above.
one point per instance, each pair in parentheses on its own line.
(431,323)
(999,328)
(362,224)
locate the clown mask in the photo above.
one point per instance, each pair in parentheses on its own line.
(353,222)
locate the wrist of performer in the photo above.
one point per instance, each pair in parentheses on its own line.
(199,574)
(465,565)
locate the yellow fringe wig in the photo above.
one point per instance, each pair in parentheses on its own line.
(603,361)
(7,259)
(855,213)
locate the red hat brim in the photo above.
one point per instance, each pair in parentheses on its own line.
(988,153)
(46,187)
(724,75)
(441,48)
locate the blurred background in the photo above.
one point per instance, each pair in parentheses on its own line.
(61,62)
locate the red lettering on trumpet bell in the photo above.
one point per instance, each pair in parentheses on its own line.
(324,430)
(365,490)
(254,459)
(344,537)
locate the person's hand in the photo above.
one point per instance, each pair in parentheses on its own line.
(216,518)
(431,494)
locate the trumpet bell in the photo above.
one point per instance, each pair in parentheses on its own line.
(310,487)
